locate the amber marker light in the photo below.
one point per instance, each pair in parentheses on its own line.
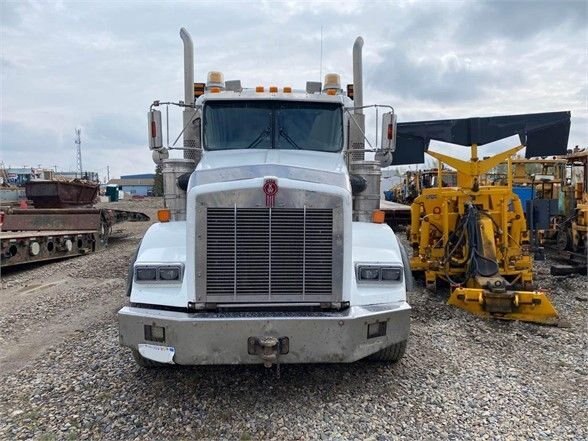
(199,89)
(273,89)
(331,92)
(287,89)
(350,91)
(378,217)
(214,90)
(164,215)
(259,89)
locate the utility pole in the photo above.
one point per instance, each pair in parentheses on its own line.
(107,173)
(78,142)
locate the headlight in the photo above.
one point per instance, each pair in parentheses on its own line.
(367,273)
(146,273)
(169,273)
(377,273)
(156,273)
(391,274)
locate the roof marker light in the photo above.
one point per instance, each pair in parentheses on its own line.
(273,89)
(199,89)
(287,89)
(260,89)
(215,79)
(332,81)
(350,91)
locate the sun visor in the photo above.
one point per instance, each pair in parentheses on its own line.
(543,134)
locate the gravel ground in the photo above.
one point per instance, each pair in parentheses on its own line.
(63,375)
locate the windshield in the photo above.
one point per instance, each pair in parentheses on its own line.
(273,125)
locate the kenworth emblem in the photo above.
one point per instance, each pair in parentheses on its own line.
(270,188)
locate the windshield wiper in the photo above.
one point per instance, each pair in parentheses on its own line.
(290,140)
(257,140)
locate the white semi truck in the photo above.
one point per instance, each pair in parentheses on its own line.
(272,248)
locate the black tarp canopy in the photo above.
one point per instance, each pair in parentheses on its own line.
(543,134)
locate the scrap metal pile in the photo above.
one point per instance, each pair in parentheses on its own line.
(63,223)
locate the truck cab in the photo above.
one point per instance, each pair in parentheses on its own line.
(271,252)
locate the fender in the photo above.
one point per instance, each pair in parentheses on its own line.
(376,244)
(163,243)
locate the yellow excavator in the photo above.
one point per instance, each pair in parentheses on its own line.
(475,236)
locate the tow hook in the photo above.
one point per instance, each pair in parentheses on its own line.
(268,348)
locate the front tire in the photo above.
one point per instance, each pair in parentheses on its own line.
(391,354)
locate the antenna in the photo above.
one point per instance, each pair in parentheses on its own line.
(78,142)
(321,66)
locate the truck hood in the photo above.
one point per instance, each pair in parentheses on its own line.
(234,165)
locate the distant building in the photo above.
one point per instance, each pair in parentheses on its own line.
(87,175)
(21,175)
(137,185)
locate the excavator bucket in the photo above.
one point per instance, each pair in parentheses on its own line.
(526,306)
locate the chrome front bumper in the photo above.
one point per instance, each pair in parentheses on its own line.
(225,338)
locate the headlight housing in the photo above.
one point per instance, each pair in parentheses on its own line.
(366,273)
(159,273)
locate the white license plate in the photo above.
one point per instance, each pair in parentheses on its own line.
(161,354)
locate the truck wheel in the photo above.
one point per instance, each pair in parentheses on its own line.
(144,362)
(391,354)
(564,240)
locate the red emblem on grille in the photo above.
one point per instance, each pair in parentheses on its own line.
(270,188)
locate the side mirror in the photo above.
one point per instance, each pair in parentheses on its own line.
(154,130)
(388,139)
(388,132)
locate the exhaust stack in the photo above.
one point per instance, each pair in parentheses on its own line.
(188,67)
(192,130)
(358,74)
(358,129)
(174,169)
(368,200)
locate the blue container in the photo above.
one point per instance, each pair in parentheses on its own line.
(389,196)
(525,194)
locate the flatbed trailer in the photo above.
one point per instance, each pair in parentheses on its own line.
(41,234)
(396,214)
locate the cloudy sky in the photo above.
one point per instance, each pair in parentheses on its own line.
(98,65)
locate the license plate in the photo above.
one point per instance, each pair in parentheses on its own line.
(161,354)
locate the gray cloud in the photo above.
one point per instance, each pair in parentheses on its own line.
(521,20)
(10,14)
(98,65)
(116,130)
(447,78)
(19,144)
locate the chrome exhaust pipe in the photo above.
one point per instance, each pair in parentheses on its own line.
(188,67)
(357,75)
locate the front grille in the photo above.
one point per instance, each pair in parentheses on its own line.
(269,253)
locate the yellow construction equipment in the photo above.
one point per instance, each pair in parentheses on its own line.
(414,181)
(573,231)
(475,237)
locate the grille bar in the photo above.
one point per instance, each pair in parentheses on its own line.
(269,253)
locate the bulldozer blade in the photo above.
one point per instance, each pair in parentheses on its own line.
(526,306)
